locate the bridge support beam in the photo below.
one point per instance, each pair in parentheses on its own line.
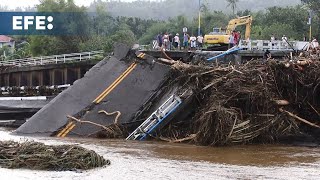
(54,74)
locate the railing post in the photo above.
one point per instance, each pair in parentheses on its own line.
(279,44)
(41,60)
(56,59)
(80,56)
(89,55)
(270,45)
(64,58)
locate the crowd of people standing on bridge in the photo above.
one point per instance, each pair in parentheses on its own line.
(168,41)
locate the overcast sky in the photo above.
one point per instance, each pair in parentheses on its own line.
(25,3)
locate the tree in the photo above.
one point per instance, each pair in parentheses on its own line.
(232,4)
(313,5)
(75,20)
(125,36)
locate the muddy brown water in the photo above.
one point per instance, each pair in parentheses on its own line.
(159,160)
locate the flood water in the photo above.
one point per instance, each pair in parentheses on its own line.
(159,160)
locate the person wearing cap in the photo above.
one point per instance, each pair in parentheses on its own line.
(285,41)
(176,40)
(193,42)
(314,42)
(200,41)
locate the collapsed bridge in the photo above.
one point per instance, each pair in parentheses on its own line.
(139,94)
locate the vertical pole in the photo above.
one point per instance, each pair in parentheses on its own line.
(310,33)
(18,75)
(52,78)
(310,23)
(78,72)
(30,83)
(199,27)
(40,78)
(65,75)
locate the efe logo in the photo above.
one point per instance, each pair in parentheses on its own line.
(23,22)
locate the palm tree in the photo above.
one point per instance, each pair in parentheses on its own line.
(232,4)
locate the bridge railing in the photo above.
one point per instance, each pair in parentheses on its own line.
(272,45)
(54,59)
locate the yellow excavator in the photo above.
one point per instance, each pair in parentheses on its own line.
(218,39)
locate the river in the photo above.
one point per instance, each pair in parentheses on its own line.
(159,160)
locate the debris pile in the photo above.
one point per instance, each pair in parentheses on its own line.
(35,155)
(253,103)
(311,53)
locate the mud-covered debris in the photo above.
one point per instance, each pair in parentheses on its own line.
(35,155)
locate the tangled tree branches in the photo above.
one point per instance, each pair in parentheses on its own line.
(35,155)
(241,105)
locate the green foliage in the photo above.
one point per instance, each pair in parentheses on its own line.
(22,50)
(313,5)
(232,4)
(279,29)
(93,43)
(165,9)
(152,32)
(214,19)
(125,36)
(289,21)
(5,53)
(48,45)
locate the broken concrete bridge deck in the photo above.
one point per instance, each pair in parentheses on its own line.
(119,83)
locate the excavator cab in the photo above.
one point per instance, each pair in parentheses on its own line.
(218,31)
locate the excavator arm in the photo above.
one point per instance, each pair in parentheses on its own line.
(244,20)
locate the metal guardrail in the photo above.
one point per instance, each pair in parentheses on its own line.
(32,90)
(54,59)
(272,45)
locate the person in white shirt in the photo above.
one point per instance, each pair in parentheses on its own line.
(314,42)
(200,41)
(166,41)
(176,41)
(284,41)
(272,40)
(272,37)
(193,43)
(284,38)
